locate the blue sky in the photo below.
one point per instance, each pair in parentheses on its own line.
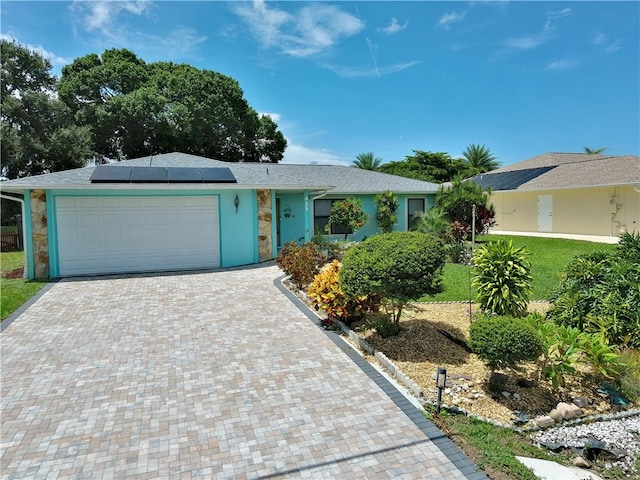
(343,78)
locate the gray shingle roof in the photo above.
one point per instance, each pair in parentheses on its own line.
(338,179)
(575,170)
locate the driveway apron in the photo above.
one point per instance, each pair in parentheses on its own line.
(199,375)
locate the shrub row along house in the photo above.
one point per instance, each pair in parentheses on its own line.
(570,193)
(182,212)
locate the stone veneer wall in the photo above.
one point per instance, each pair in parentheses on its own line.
(265,240)
(39,233)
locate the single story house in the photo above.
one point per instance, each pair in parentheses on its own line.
(183,212)
(572,193)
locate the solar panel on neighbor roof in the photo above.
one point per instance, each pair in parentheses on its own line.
(184,175)
(509,180)
(149,175)
(217,175)
(116,174)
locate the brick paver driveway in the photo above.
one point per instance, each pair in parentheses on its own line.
(203,375)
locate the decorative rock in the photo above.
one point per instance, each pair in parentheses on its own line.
(447,391)
(556,414)
(506,394)
(568,410)
(544,421)
(581,462)
(581,402)
(516,396)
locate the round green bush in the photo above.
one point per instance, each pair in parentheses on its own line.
(503,342)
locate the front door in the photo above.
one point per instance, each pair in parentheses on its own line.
(545,213)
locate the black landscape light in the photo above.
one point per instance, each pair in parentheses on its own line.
(236,202)
(441,382)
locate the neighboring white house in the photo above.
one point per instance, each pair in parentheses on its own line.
(569,193)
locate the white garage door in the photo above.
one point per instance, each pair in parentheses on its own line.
(136,234)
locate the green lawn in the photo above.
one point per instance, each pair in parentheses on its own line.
(15,291)
(548,257)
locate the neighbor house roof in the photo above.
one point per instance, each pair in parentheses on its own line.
(554,171)
(336,178)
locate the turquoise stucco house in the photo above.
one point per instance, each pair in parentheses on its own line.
(176,211)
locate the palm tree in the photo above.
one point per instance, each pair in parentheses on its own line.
(367,161)
(480,158)
(594,151)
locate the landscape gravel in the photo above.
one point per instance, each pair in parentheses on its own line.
(621,436)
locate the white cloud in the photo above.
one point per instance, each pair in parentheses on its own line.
(447,19)
(528,42)
(564,64)
(313,29)
(55,60)
(375,71)
(102,15)
(299,154)
(615,46)
(393,27)
(599,39)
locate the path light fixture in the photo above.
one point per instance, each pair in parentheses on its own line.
(236,202)
(441,382)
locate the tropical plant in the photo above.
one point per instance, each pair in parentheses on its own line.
(349,214)
(504,342)
(301,263)
(480,159)
(501,274)
(326,295)
(595,151)
(566,347)
(600,292)
(457,201)
(367,161)
(397,266)
(435,222)
(386,208)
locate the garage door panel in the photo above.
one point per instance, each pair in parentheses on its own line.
(130,234)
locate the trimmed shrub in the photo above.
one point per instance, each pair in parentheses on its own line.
(349,214)
(501,274)
(301,263)
(503,342)
(397,266)
(326,295)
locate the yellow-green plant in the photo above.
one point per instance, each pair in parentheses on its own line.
(326,295)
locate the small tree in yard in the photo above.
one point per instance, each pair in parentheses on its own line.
(387,206)
(398,266)
(349,214)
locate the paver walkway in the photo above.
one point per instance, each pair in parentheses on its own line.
(201,375)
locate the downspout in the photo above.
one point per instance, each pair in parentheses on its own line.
(24,229)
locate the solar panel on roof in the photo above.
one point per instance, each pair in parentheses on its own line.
(217,175)
(115,174)
(149,175)
(509,180)
(184,175)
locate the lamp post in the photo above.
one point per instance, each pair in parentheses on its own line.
(441,382)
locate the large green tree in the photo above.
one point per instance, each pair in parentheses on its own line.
(136,108)
(367,161)
(456,202)
(428,166)
(480,159)
(38,131)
